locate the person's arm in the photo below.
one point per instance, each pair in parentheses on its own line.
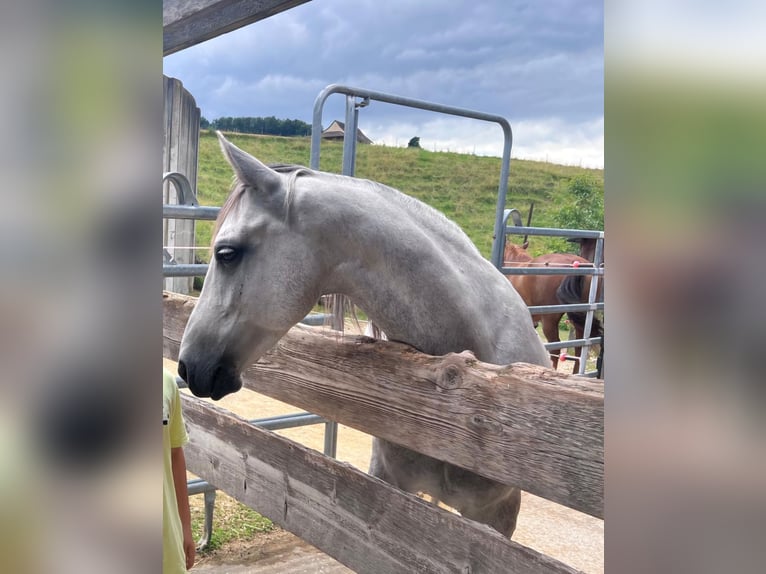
(178,463)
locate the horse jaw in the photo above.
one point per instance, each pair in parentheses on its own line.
(214,371)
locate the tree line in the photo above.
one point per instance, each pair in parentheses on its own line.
(269,126)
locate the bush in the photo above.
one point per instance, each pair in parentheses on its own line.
(585,205)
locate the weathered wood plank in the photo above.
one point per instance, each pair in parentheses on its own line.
(520,424)
(189,22)
(359,520)
(179,153)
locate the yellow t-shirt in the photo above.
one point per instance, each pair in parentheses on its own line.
(173,435)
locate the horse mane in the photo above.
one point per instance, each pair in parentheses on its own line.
(429,217)
(236,193)
(434,220)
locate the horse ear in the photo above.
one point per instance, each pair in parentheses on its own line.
(249,170)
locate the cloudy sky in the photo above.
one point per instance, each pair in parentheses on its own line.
(539,64)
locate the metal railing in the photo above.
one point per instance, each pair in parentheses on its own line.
(501,228)
(352,121)
(596,271)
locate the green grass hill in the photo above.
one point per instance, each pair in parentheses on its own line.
(463,187)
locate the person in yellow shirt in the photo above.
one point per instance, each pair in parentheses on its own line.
(178,549)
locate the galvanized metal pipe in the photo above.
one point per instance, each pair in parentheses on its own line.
(349,136)
(552,270)
(331,438)
(316,319)
(575,308)
(554,232)
(198,486)
(182,186)
(190,212)
(573,343)
(281,422)
(316,137)
(184,269)
(597,258)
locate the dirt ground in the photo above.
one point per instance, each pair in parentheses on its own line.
(572,537)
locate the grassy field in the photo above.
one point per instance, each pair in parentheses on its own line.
(463,187)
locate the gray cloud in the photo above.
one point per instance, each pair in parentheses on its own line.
(534,63)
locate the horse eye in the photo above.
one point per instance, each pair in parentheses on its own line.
(226,254)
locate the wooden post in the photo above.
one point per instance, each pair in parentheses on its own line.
(179,153)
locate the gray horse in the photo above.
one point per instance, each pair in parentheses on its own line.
(287,235)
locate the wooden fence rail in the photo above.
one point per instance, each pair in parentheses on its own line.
(519,424)
(189,22)
(364,523)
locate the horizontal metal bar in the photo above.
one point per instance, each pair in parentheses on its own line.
(573,343)
(199,486)
(554,232)
(289,421)
(584,270)
(573,308)
(203,212)
(279,421)
(315,319)
(184,269)
(404,101)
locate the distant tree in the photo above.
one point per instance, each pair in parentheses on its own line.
(414,142)
(224,124)
(585,205)
(203,123)
(270,126)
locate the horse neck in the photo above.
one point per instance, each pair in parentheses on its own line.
(385,260)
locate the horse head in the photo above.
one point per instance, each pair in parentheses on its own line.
(516,253)
(262,280)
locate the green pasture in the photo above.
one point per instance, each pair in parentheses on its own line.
(463,187)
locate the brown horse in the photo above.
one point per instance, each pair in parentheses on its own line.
(544,290)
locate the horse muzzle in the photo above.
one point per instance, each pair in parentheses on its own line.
(214,381)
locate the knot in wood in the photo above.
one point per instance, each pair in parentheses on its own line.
(485,424)
(449,377)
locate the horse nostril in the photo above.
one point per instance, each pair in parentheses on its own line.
(182,371)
